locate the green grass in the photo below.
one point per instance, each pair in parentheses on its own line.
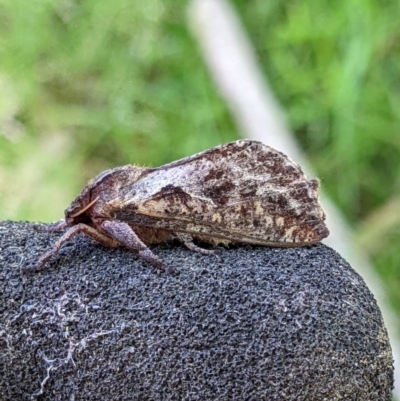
(92,84)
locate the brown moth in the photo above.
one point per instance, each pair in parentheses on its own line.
(240,192)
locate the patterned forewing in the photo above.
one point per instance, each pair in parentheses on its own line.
(242,190)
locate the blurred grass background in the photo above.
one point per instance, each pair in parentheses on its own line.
(87,85)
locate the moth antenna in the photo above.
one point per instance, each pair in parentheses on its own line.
(86,207)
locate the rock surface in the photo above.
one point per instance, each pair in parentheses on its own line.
(252,323)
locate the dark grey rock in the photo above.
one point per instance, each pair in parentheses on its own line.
(252,323)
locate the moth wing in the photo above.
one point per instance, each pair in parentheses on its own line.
(243,190)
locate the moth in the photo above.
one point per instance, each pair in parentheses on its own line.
(240,192)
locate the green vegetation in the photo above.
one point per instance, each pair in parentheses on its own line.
(86,85)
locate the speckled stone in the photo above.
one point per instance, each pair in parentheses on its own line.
(252,323)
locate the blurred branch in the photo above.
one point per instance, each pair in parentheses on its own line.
(373,232)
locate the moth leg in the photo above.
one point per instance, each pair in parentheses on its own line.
(124,234)
(58,225)
(188,241)
(79,228)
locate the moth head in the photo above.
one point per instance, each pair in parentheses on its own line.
(104,187)
(76,212)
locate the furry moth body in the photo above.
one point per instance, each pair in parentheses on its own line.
(241,192)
